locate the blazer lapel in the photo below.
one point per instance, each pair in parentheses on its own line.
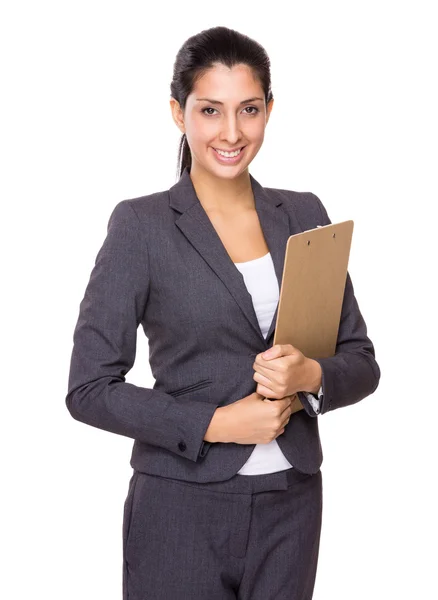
(198,229)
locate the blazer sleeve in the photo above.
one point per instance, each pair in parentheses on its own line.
(353,372)
(314,399)
(104,349)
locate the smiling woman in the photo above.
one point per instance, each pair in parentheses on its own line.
(223,120)
(223,107)
(226,496)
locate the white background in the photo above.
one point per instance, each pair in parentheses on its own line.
(85,123)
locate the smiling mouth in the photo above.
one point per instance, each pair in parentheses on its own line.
(230,153)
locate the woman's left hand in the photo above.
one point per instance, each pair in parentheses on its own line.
(282,370)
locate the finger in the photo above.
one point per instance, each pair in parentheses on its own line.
(286,411)
(265,367)
(266,391)
(263,379)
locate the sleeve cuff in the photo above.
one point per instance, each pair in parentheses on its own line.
(314,400)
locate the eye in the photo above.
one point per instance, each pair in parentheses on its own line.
(208,108)
(211,108)
(255,108)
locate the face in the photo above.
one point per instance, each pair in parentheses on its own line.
(225,111)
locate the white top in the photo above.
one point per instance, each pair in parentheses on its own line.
(266,458)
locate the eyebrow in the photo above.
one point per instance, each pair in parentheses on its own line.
(218,102)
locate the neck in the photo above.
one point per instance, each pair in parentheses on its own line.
(220,194)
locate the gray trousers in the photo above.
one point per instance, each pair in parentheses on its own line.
(251,537)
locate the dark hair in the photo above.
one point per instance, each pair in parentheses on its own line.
(199,53)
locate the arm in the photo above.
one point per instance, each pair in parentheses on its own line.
(104,348)
(352,373)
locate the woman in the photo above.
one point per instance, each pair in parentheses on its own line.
(225,500)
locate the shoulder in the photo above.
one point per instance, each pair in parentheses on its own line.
(303,204)
(139,209)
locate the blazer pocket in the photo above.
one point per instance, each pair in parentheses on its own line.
(199,385)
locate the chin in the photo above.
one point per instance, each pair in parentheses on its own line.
(228,173)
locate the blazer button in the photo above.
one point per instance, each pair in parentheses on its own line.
(182,446)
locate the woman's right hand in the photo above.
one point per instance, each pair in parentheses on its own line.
(256,420)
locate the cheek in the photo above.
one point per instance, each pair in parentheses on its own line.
(254,134)
(258,134)
(202,129)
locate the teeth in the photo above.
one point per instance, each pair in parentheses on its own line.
(228,154)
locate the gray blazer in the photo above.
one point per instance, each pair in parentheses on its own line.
(162,265)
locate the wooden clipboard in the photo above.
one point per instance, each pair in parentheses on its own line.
(312,289)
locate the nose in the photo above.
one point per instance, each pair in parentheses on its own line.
(231,131)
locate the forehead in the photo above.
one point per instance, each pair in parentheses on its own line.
(225,84)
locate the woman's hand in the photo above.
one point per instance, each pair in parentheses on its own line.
(283,370)
(252,420)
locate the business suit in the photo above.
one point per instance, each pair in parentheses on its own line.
(162,265)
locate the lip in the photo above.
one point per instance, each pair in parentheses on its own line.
(223,160)
(233,150)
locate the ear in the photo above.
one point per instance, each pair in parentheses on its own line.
(177,114)
(269,109)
